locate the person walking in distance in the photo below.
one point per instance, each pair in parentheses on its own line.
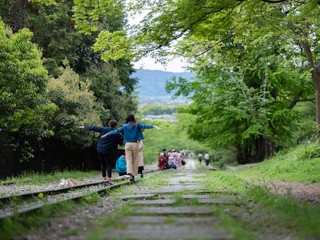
(107,148)
(200,157)
(207,158)
(132,131)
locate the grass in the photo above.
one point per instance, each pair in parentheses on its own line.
(254,213)
(16,225)
(33,178)
(22,224)
(260,212)
(289,166)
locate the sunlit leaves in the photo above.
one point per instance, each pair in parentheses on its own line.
(86,12)
(114,45)
(77,106)
(23,79)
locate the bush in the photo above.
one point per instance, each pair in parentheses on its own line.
(311,152)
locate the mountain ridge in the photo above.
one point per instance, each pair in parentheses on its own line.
(151,83)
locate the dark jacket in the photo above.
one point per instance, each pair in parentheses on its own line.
(109,144)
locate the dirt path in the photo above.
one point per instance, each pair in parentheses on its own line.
(297,190)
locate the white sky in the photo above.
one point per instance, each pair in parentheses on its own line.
(172,66)
(149,63)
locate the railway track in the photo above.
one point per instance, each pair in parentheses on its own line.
(31,209)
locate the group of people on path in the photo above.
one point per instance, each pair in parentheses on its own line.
(171,159)
(108,141)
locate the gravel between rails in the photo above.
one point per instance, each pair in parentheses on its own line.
(18,189)
(9,208)
(18,205)
(74,225)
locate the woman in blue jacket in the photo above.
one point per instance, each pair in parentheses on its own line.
(132,135)
(107,148)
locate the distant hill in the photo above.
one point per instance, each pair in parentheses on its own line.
(152,82)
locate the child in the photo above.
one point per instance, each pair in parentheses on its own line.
(171,163)
(121,165)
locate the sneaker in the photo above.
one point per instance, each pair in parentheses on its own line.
(109,180)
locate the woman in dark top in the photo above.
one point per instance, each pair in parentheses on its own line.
(107,148)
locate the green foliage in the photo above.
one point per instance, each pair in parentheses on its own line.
(157,110)
(255,48)
(106,83)
(54,32)
(23,79)
(14,226)
(311,151)
(246,98)
(171,136)
(77,106)
(266,209)
(92,198)
(117,41)
(292,165)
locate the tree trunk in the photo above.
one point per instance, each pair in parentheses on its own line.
(264,148)
(315,79)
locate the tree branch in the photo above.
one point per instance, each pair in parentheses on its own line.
(307,100)
(296,100)
(278,1)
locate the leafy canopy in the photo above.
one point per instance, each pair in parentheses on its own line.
(77,106)
(23,79)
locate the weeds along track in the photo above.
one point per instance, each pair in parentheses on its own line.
(26,203)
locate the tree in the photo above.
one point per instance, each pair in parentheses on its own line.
(246,98)
(77,106)
(107,87)
(195,28)
(23,79)
(55,32)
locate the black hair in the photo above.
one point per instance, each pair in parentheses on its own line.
(130,118)
(113,123)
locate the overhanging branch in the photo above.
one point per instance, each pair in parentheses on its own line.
(296,100)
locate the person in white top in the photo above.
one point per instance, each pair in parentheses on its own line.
(206,158)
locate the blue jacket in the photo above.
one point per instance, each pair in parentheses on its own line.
(108,144)
(131,134)
(121,165)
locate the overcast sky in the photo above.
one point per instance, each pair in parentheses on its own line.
(148,62)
